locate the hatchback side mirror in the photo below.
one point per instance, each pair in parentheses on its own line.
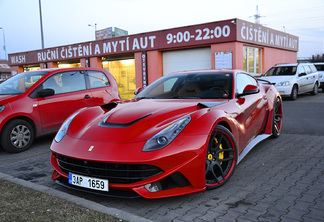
(302,74)
(46,92)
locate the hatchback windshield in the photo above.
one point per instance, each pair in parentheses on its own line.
(19,83)
(190,86)
(282,71)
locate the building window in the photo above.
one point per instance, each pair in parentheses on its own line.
(252,60)
(124,72)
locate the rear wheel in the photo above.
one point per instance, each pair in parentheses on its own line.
(17,136)
(277,118)
(221,157)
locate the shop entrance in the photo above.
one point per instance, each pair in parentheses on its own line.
(69,64)
(123,71)
(31,67)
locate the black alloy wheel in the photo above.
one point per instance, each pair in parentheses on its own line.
(277,118)
(221,157)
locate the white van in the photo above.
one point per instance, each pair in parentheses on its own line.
(293,79)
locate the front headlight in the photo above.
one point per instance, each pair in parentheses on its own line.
(286,83)
(2,107)
(64,128)
(166,136)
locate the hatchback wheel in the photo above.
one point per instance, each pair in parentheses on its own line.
(221,157)
(17,136)
(315,89)
(294,93)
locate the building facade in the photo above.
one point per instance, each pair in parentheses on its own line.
(137,60)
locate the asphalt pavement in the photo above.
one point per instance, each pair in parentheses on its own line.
(279,180)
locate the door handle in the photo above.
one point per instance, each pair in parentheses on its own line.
(87,97)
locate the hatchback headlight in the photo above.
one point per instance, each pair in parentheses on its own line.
(286,83)
(166,136)
(64,128)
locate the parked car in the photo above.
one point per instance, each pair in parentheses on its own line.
(37,102)
(320,69)
(293,79)
(182,134)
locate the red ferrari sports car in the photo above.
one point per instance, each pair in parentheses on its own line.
(184,133)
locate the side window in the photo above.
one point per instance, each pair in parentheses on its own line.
(98,79)
(242,80)
(66,82)
(308,70)
(313,68)
(301,70)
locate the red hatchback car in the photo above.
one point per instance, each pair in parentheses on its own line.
(37,102)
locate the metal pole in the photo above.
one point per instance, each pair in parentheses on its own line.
(4,43)
(95,26)
(41,23)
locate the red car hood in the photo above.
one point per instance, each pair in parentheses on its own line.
(131,121)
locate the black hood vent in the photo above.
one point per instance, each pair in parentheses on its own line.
(121,125)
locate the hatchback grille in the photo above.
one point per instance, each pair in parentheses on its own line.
(115,173)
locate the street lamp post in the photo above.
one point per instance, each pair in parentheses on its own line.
(4,43)
(41,23)
(95,26)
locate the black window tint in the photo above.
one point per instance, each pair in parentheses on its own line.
(320,67)
(66,82)
(98,79)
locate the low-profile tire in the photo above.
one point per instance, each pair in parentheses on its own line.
(294,93)
(221,157)
(315,89)
(277,118)
(17,136)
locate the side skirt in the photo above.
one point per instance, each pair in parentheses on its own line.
(252,144)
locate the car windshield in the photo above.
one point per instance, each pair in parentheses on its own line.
(19,83)
(320,67)
(281,71)
(190,86)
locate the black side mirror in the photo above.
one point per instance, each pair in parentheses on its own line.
(46,92)
(302,74)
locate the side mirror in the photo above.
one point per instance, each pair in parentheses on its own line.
(302,74)
(249,89)
(46,92)
(138,90)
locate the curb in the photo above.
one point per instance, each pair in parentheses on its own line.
(77,200)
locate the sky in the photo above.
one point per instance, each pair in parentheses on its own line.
(66,21)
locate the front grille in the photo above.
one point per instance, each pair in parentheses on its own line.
(115,173)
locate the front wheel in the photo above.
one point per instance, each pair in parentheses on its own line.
(294,93)
(17,136)
(221,157)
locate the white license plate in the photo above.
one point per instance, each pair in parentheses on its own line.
(88,182)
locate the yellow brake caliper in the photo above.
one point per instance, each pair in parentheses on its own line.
(220,155)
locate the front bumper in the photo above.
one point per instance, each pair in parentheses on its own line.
(284,90)
(182,164)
